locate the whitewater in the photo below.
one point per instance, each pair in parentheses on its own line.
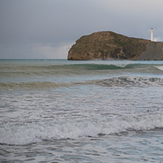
(64,111)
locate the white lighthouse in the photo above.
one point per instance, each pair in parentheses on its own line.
(152,34)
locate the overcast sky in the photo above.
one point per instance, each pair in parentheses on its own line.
(46,29)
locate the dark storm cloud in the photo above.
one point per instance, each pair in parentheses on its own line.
(47,28)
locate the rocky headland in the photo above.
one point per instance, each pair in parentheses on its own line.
(110,45)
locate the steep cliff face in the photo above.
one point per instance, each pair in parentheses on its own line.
(154,51)
(106,45)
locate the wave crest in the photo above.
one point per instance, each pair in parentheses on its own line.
(159,67)
(128,81)
(37,131)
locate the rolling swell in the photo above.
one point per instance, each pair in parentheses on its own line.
(89,66)
(102,66)
(70,69)
(31,85)
(121,81)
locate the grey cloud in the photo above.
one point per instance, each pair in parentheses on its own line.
(57,23)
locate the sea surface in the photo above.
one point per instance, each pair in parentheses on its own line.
(60,111)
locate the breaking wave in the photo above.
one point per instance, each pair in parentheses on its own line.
(33,132)
(159,67)
(30,70)
(129,81)
(104,66)
(122,81)
(84,65)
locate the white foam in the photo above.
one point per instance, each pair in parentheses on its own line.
(26,133)
(159,67)
(130,81)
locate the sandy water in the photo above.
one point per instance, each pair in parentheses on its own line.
(91,111)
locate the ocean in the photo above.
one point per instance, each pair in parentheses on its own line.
(60,111)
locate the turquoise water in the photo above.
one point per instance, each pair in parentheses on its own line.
(81,111)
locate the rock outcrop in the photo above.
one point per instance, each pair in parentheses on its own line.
(107,45)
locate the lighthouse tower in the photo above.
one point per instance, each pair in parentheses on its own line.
(152,34)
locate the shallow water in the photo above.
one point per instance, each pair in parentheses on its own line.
(123,147)
(90,111)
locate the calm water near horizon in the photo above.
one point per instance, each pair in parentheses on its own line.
(60,111)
